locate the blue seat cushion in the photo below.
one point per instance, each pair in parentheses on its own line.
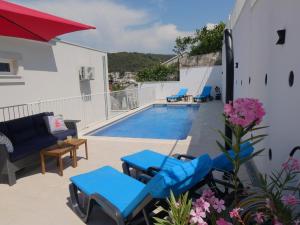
(221,162)
(144,159)
(21,130)
(123,191)
(181,178)
(39,123)
(181,93)
(173,97)
(4,129)
(62,135)
(31,146)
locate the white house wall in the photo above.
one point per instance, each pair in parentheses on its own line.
(256,52)
(193,78)
(50,71)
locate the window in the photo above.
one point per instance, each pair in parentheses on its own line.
(4,67)
(7,67)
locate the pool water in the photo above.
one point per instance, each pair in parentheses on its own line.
(155,122)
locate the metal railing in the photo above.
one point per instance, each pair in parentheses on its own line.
(88,109)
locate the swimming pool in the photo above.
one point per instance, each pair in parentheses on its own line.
(156,122)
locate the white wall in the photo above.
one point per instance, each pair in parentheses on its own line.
(162,89)
(255,49)
(193,78)
(50,71)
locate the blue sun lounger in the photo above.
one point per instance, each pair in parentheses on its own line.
(205,95)
(181,94)
(150,162)
(123,198)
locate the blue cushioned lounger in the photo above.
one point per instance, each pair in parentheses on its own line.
(181,94)
(122,197)
(151,162)
(205,95)
(148,160)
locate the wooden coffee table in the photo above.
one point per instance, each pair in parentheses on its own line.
(76,142)
(57,151)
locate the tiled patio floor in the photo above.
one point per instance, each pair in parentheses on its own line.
(39,199)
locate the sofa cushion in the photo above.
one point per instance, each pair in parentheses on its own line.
(29,147)
(62,135)
(39,123)
(4,129)
(55,123)
(21,130)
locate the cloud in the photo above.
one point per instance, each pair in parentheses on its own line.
(119,28)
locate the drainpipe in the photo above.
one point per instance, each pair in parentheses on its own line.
(229,74)
(106,90)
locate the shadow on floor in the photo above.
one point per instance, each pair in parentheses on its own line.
(204,130)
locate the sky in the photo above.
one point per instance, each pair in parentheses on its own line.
(149,26)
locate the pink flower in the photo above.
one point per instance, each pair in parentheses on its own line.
(235,213)
(286,165)
(228,109)
(222,221)
(295,165)
(219,205)
(289,200)
(297,222)
(259,217)
(201,203)
(291,165)
(197,216)
(276,222)
(244,111)
(208,193)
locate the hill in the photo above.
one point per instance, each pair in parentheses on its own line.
(133,61)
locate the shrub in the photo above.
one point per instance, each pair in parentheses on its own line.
(157,73)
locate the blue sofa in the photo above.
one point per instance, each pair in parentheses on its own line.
(28,135)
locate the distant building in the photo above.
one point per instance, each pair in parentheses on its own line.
(130,75)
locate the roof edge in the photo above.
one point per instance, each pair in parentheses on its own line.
(78,45)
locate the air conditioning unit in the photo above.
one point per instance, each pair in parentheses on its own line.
(86,73)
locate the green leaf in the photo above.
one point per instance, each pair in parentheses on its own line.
(257,141)
(259,128)
(254,138)
(226,139)
(252,156)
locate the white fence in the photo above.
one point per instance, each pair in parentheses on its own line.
(192,78)
(88,109)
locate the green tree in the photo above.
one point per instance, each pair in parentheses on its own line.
(204,41)
(157,73)
(182,45)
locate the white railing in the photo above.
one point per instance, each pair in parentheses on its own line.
(88,109)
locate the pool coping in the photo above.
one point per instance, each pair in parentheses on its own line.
(84,133)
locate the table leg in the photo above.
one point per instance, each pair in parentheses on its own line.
(43,163)
(86,150)
(60,166)
(74,158)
